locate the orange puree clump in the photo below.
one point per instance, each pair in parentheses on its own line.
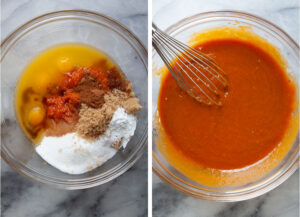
(62,107)
(254,117)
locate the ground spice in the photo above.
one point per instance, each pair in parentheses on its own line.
(89,90)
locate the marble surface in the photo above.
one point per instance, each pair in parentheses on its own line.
(282,201)
(125,196)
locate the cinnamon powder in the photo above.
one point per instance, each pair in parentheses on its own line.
(90,92)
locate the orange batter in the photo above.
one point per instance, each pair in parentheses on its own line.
(253,119)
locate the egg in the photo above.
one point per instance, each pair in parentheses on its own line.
(65,64)
(36,116)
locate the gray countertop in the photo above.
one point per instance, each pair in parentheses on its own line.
(280,202)
(125,196)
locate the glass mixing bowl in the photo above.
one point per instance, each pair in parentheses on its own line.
(20,47)
(183,30)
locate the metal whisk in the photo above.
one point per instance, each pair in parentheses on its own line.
(198,74)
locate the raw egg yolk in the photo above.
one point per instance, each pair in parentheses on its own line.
(65,64)
(36,116)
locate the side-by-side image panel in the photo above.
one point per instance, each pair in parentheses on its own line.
(74,108)
(225,105)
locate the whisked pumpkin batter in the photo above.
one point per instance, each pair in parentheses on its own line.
(253,119)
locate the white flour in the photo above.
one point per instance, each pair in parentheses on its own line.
(75,155)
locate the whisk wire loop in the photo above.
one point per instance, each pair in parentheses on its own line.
(187,61)
(194,71)
(166,56)
(172,65)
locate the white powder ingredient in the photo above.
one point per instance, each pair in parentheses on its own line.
(75,155)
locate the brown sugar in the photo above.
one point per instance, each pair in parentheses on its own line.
(117,144)
(93,122)
(127,100)
(60,128)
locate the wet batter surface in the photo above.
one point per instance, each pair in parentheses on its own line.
(252,121)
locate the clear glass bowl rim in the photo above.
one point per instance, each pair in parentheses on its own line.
(290,167)
(89,182)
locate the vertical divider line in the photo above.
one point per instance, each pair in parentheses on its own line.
(149,108)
